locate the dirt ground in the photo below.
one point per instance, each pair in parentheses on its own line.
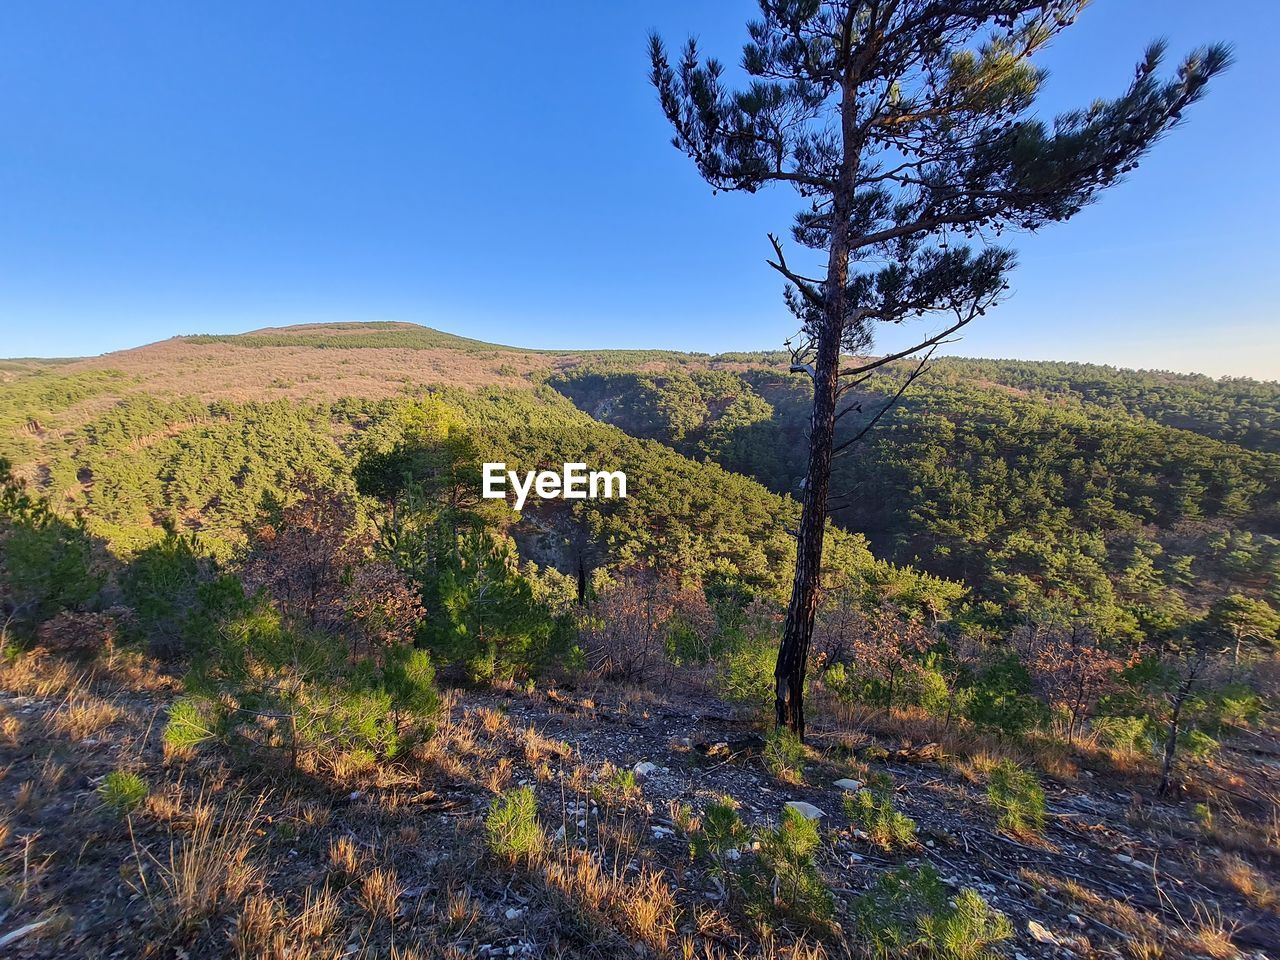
(231,854)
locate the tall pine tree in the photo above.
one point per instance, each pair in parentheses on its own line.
(905,125)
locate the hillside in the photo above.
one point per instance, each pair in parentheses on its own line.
(278,683)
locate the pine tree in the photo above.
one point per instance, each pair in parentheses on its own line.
(904,125)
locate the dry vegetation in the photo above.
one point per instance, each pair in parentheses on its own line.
(227,856)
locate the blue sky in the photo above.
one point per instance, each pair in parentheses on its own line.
(180,168)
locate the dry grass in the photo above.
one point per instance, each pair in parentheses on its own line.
(1241,876)
(10,730)
(650,909)
(461,911)
(345,856)
(1210,933)
(320,914)
(25,799)
(380,893)
(208,870)
(491,721)
(498,777)
(1118,914)
(539,748)
(257,932)
(82,715)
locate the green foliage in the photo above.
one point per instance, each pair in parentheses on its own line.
(122,791)
(1131,734)
(1002,701)
(489,618)
(192,721)
(907,913)
(872,810)
(1017,796)
(176,595)
(746,676)
(963,931)
(409,678)
(47,563)
(1017,493)
(353,336)
(511,827)
(267,681)
(784,755)
(1202,813)
(719,831)
(787,853)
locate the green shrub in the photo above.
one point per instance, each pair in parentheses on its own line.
(748,675)
(511,828)
(1203,815)
(964,930)
(266,682)
(192,721)
(1016,794)
(787,853)
(720,831)
(1001,700)
(47,562)
(784,755)
(1199,745)
(907,913)
(122,792)
(872,810)
(1123,733)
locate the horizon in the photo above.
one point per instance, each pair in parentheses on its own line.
(590,349)
(233,169)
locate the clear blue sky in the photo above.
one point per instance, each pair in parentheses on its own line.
(177,168)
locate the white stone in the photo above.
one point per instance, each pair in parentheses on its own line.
(806,810)
(644,768)
(1040,933)
(847,784)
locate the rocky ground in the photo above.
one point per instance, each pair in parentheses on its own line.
(231,855)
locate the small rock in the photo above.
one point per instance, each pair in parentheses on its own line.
(644,769)
(356,795)
(806,810)
(1040,934)
(847,784)
(560,833)
(513,913)
(733,854)
(1075,919)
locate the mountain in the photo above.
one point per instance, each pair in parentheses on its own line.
(1121,490)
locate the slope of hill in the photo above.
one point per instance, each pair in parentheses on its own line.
(412,722)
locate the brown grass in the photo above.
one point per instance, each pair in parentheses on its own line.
(209,869)
(345,857)
(1248,881)
(380,892)
(83,715)
(650,909)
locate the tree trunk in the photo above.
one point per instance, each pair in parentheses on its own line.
(793,653)
(1170,745)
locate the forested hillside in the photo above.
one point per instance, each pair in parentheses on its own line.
(263,560)
(1027,482)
